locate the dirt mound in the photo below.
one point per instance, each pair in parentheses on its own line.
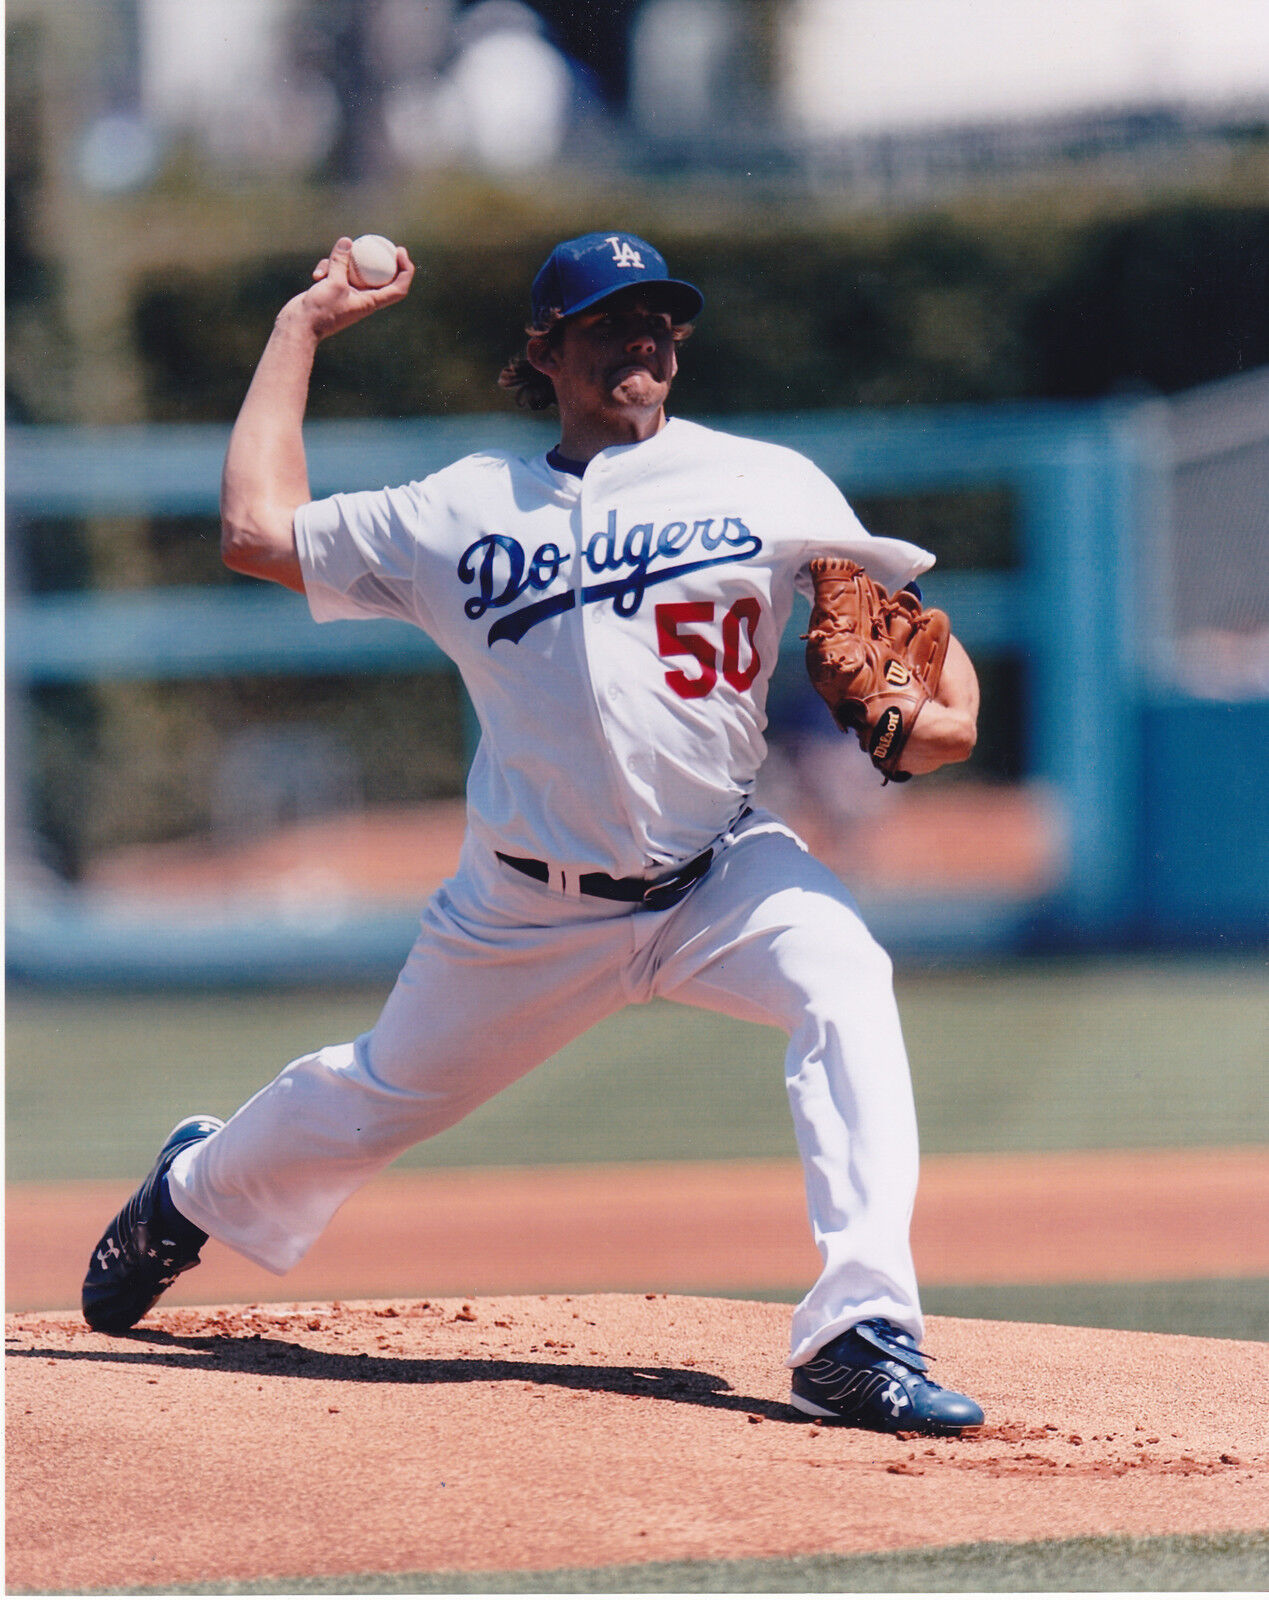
(535,1432)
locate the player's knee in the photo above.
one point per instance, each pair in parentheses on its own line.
(837,958)
(868,969)
(426,1081)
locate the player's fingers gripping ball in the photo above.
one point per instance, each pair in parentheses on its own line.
(875,659)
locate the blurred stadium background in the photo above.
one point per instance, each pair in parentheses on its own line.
(1002,269)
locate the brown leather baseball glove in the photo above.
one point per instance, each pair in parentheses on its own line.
(874,658)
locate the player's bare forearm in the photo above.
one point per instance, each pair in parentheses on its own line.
(947,728)
(265,477)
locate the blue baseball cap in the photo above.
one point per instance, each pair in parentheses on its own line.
(581,271)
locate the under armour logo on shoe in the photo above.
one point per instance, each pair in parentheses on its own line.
(895,1398)
(110,1252)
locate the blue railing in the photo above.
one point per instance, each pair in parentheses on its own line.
(1076,474)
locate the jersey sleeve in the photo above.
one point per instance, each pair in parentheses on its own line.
(833,529)
(359,554)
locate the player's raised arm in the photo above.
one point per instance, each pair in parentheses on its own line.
(265,475)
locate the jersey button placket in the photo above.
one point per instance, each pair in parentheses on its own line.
(601,634)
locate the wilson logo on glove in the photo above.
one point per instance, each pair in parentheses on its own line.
(888,729)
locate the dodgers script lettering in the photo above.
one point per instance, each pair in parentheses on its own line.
(616,565)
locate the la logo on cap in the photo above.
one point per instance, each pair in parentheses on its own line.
(624,253)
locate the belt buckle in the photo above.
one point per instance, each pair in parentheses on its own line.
(669,891)
(661,896)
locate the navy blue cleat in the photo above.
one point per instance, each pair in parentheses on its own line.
(873,1376)
(147,1246)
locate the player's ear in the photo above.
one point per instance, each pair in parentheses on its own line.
(543,354)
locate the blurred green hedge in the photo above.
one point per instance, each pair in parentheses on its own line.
(940,308)
(954,306)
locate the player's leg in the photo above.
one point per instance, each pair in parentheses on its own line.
(488,992)
(772,936)
(464,1020)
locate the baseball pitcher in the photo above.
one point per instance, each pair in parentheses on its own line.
(615,606)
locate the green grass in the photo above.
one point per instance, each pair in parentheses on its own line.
(1202,1308)
(1035,1056)
(1215,1308)
(1215,1562)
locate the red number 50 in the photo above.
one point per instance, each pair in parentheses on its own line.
(673,641)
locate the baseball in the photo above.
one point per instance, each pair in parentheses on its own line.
(372,262)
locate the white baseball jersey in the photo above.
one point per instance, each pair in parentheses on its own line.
(616,632)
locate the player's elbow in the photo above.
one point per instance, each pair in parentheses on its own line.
(241,548)
(234,546)
(959,736)
(261,548)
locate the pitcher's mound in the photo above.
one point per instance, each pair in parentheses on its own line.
(539,1432)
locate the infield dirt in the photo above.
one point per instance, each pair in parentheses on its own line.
(536,1432)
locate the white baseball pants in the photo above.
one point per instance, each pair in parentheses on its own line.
(506,971)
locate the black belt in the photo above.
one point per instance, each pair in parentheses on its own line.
(658,894)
